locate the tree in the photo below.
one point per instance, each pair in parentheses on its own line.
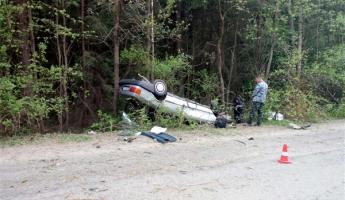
(273,38)
(300,41)
(61,61)
(220,49)
(24,37)
(116,40)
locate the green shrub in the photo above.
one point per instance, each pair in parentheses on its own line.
(106,122)
(337,110)
(141,118)
(177,120)
(173,70)
(295,104)
(146,120)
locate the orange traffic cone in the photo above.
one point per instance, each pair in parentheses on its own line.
(284,159)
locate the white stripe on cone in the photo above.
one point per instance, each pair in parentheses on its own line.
(285,154)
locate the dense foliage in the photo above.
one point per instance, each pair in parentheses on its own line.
(60,61)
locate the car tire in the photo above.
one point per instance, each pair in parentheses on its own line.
(160,89)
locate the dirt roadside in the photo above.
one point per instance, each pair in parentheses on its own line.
(203,164)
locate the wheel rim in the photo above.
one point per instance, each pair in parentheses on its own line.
(160,87)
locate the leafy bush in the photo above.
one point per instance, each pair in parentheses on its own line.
(141,117)
(173,69)
(169,120)
(295,104)
(337,110)
(146,119)
(106,122)
(27,99)
(205,85)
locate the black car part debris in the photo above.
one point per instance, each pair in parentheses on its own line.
(221,122)
(161,137)
(167,137)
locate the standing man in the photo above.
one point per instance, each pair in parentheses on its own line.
(258,98)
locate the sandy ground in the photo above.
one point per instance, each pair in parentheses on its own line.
(203,164)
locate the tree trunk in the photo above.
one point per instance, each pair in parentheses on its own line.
(273,40)
(24,34)
(59,59)
(318,31)
(32,35)
(232,64)
(82,95)
(291,24)
(179,37)
(148,36)
(116,40)
(82,29)
(220,52)
(152,40)
(24,37)
(65,67)
(65,78)
(258,53)
(32,42)
(300,42)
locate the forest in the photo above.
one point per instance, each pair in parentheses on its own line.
(61,60)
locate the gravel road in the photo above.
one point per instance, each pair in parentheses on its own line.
(203,164)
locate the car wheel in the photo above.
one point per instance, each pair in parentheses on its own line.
(160,89)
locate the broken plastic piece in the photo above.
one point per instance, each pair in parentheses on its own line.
(297,127)
(129,127)
(276,116)
(157,129)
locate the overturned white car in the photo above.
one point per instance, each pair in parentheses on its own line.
(155,95)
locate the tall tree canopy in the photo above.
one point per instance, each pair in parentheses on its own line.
(61,61)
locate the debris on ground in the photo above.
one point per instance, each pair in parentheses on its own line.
(158,134)
(297,127)
(221,122)
(240,142)
(157,130)
(161,137)
(129,139)
(227,117)
(232,125)
(129,127)
(126,120)
(251,138)
(92,132)
(275,116)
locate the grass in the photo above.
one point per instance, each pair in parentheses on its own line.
(66,138)
(38,138)
(77,138)
(276,122)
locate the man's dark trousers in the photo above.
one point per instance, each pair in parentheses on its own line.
(257,107)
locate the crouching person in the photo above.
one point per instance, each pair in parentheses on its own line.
(258,100)
(238,107)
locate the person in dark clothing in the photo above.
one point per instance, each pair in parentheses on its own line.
(238,107)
